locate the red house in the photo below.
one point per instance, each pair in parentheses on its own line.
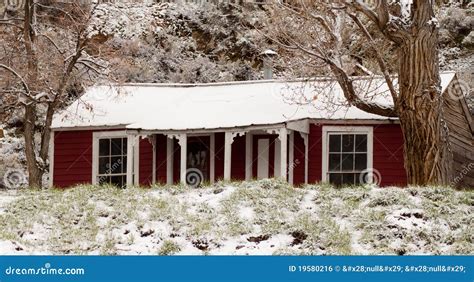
(301,131)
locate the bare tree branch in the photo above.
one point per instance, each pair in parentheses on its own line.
(23,82)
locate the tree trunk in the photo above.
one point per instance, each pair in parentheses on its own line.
(421,104)
(35,173)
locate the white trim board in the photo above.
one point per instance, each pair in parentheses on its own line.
(96,136)
(369,130)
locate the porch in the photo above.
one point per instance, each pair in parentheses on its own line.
(194,157)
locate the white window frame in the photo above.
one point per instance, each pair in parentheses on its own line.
(132,145)
(327,130)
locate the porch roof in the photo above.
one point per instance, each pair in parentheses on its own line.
(168,107)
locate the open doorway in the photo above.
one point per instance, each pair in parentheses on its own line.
(198,160)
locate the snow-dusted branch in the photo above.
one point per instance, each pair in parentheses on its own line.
(389,25)
(23,82)
(383,67)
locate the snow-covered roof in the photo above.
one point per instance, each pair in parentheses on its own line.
(169,107)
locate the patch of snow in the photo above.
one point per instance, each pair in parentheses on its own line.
(246,213)
(11,248)
(408,219)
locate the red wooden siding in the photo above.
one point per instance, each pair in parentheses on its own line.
(298,162)
(72,158)
(161,158)
(219,162)
(315,154)
(388,154)
(237,171)
(145,175)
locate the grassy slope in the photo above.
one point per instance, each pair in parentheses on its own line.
(265,217)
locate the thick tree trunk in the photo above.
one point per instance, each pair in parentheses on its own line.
(35,173)
(421,104)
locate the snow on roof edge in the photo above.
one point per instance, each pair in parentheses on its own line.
(130,127)
(249,82)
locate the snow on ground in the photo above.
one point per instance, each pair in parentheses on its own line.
(248,218)
(6,197)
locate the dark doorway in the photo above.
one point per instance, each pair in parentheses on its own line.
(198,159)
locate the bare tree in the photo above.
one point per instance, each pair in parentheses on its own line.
(327,33)
(45,49)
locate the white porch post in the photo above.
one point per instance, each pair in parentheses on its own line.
(153,140)
(291,156)
(183,142)
(212,156)
(136,161)
(283,152)
(248,156)
(169,160)
(229,136)
(132,159)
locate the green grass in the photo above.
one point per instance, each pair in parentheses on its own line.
(166,220)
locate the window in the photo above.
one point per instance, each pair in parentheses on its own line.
(347,154)
(110,159)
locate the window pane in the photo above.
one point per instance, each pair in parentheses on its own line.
(104,147)
(360,161)
(116,145)
(334,162)
(361,143)
(124,165)
(104,163)
(116,165)
(334,143)
(104,180)
(357,178)
(335,178)
(348,143)
(117,181)
(124,146)
(347,162)
(348,178)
